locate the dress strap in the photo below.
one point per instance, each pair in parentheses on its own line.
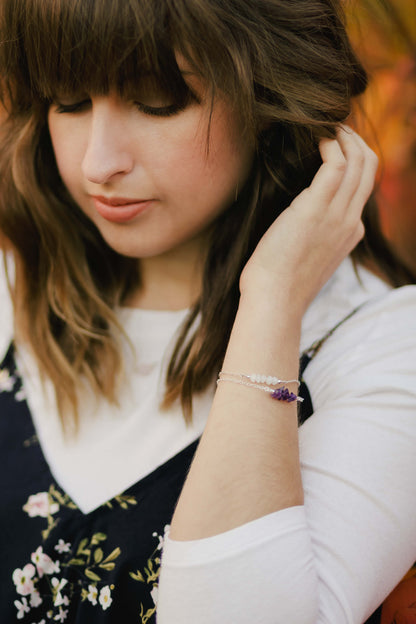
(305,409)
(315,347)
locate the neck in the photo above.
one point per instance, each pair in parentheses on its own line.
(171,281)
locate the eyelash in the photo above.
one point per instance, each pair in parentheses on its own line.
(160,111)
(72,108)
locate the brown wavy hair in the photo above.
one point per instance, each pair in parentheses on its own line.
(288,68)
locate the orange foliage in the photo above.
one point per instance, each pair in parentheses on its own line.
(385,36)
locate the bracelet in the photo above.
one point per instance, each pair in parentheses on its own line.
(267,380)
(265,383)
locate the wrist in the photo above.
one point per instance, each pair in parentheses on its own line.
(265,340)
(271,306)
(280,294)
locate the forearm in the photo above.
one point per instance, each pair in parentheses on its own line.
(354,537)
(247,464)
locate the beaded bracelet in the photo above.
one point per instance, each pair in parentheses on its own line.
(265,383)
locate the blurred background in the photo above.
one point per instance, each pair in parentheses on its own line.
(384,34)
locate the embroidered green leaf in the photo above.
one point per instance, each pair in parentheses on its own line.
(137,576)
(107,566)
(98,555)
(81,546)
(51,525)
(84,594)
(125,500)
(152,575)
(62,499)
(146,616)
(92,575)
(97,538)
(54,493)
(113,555)
(77,562)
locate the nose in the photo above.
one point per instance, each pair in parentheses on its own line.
(107,152)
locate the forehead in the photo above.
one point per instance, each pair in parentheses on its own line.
(93,45)
(50,47)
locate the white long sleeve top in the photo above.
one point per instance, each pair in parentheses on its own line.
(332,560)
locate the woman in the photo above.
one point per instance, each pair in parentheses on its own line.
(178,189)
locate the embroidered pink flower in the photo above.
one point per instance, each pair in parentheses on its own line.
(22,608)
(20,395)
(40,505)
(154,594)
(59,599)
(63,547)
(6,381)
(23,580)
(161,540)
(35,599)
(44,563)
(105,599)
(62,615)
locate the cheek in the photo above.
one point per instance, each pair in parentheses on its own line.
(229,160)
(231,152)
(68,150)
(217,163)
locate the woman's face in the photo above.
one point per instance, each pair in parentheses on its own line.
(144,171)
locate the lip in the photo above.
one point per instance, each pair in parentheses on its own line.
(119,209)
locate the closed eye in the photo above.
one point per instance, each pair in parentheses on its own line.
(152,99)
(73,107)
(160,111)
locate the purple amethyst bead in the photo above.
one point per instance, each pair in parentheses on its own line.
(283,394)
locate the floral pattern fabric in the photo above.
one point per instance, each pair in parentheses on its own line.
(60,565)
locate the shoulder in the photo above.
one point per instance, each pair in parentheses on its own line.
(348,289)
(373,353)
(6,311)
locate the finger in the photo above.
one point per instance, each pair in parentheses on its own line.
(358,180)
(329,176)
(355,156)
(370,167)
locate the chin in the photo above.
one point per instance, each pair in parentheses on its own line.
(142,243)
(137,249)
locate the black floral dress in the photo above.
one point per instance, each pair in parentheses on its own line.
(61,565)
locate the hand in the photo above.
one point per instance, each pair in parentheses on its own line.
(308,241)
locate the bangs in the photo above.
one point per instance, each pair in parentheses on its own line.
(267,58)
(51,47)
(92,46)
